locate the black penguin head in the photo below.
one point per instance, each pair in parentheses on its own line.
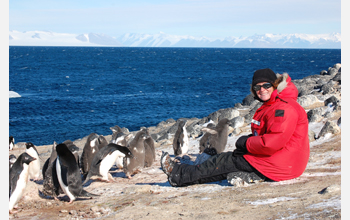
(11,140)
(29,145)
(62,149)
(26,158)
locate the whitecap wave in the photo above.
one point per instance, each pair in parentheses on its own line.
(13,94)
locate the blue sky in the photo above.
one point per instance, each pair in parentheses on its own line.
(217,19)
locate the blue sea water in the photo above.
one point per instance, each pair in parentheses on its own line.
(70,92)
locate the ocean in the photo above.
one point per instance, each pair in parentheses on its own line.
(69,92)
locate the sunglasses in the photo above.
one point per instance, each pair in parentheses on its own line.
(265,86)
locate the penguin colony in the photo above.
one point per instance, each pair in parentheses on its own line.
(65,172)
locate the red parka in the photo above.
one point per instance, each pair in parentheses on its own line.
(279,147)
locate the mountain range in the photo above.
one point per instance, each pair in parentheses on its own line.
(48,38)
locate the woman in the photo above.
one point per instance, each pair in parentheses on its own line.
(277,149)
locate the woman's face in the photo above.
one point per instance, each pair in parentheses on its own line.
(264,94)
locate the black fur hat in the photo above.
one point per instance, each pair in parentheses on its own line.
(264,75)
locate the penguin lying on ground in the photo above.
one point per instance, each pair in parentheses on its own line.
(18,178)
(104,160)
(34,167)
(68,174)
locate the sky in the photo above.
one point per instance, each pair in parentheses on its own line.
(199,18)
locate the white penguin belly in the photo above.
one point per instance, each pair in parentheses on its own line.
(34,166)
(186,142)
(107,163)
(59,177)
(119,162)
(20,187)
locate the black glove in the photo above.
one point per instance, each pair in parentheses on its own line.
(211,151)
(241,147)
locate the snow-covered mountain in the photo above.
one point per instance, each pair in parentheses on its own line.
(46,38)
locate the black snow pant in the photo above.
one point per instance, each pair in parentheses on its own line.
(214,169)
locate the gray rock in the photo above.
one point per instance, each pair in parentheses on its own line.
(307,100)
(337,77)
(228,113)
(312,136)
(331,100)
(332,71)
(323,72)
(237,122)
(329,127)
(339,122)
(248,100)
(315,115)
(248,117)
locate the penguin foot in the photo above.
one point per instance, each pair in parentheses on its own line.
(166,163)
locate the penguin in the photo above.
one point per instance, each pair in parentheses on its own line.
(118,136)
(68,174)
(181,142)
(73,148)
(102,142)
(11,142)
(51,186)
(12,160)
(104,160)
(89,151)
(123,142)
(150,152)
(134,165)
(204,142)
(18,178)
(34,167)
(218,139)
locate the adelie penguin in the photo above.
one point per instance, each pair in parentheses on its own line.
(68,174)
(219,134)
(104,160)
(134,165)
(181,142)
(51,186)
(93,144)
(11,142)
(18,178)
(34,167)
(150,151)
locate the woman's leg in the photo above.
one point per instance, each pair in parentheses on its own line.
(214,169)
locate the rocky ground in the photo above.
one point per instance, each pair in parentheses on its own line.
(316,194)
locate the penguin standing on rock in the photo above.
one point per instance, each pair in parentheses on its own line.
(104,160)
(11,142)
(181,142)
(134,165)
(68,174)
(73,148)
(89,151)
(18,178)
(51,186)
(34,167)
(150,152)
